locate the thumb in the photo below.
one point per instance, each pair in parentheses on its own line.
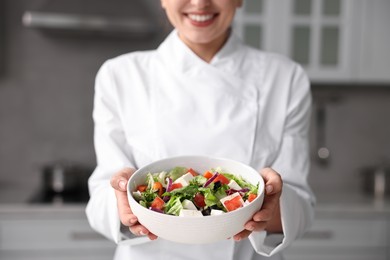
(119,180)
(269,189)
(272,180)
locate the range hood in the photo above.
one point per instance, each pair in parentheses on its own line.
(119,18)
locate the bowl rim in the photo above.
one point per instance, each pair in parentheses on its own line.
(260,191)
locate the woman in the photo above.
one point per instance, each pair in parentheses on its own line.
(203,92)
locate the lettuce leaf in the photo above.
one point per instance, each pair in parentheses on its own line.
(173,206)
(147,197)
(177,172)
(209,198)
(198,180)
(240,181)
(186,192)
(149,181)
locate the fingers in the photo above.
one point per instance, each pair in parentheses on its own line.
(126,216)
(129,219)
(270,204)
(243,234)
(269,215)
(140,230)
(119,180)
(255,225)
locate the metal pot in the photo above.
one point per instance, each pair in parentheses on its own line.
(65,177)
(376,181)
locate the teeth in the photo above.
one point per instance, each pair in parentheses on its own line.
(200,18)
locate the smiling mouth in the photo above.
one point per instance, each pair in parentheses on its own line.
(200,18)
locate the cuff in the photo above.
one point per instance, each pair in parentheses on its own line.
(293,214)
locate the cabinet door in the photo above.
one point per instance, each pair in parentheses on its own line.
(342,239)
(2,38)
(318,34)
(374,38)
(320,38)
(250,22)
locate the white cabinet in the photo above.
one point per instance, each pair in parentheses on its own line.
(52,234)
(374,39)
(343,238)
(334,40)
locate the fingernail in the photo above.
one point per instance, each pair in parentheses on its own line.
(133,220)
(269,189)
(122,185)
(142,233)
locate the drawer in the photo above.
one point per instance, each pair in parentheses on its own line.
(56,255)
(331,256)
(50,235)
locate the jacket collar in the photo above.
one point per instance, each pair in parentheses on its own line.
(178,55)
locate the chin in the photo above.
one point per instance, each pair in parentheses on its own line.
(201,38)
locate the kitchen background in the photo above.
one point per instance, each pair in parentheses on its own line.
(46,98)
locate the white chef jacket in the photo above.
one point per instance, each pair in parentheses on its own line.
(245,105)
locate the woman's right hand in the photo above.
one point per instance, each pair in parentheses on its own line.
(119,183)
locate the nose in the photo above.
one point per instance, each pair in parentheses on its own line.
(200,3)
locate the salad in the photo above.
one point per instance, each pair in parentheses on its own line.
(184,192)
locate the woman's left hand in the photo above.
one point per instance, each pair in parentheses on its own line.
(268,218)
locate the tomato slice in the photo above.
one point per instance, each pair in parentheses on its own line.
(141,188)
(157,203)
(233,204)
(251,197)
(176,186)
(194,173)
(221,178)
(199,200)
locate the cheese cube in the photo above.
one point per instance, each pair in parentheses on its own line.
(190,213)
(234,185)
(137,195)
(231,197)
(215,212)
(185,179)
(187,204)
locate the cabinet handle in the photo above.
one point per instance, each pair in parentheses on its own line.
(82,236)
(319,235)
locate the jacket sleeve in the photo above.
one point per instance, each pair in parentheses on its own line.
(112,154)
(293,163)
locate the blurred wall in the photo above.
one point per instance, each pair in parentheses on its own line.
(357,134)
(46,94)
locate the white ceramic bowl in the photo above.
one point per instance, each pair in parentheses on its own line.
(196,230)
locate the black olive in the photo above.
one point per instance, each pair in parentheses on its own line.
(217,185)
(206,211)
(215,207)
